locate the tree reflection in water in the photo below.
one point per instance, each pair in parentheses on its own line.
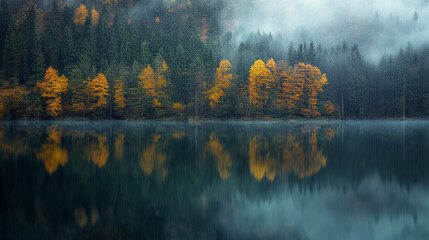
(153,157)
(51,152)
(287,153)
(222,158)
(173,181)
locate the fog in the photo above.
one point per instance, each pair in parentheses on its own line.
(375,210)
(378,27)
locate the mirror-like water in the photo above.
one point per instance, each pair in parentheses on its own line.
(214,180)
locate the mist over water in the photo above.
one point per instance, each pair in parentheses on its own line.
(214,180)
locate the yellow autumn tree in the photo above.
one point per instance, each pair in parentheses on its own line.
(98,92)
(119,96)
(52,87)
(314,81)
(12,99)
(179,109)
(261,83)
(154,82)
(289,90)
(95,16)
(222,83)
(329,108)
(80,15)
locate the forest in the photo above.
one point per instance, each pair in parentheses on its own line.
(148,59)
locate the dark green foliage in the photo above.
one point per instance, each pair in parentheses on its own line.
(190,38)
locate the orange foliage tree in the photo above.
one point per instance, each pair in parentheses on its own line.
(314,81)
(154,83)
(80,15)
(12,100)
(119,96)
(329,108)
(98,92)
(222,82)
(179,109)
(261,82)
(289,90)
(52,88)
(94,17)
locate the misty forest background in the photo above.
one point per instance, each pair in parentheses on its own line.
(134,59)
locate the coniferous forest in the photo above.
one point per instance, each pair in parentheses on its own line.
(146,59)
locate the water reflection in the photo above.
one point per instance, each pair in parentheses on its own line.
(233,180)
(51,152)
(222,158)
(153,157)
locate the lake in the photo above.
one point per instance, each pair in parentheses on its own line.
(214,180)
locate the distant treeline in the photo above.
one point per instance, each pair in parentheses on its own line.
(147,59)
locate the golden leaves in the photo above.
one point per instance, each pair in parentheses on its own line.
(222,82)
(260,82)
(98,91)
(119,94)
(11,98)
(314,80)
(329,108)
(179,109)
(95,16)
(51,88)
(153,82)
(81,14)
(294,88)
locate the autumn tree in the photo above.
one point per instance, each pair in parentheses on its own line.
(52,87)
(97,92)
(81,14)
(153,83)
(329,108)
(314,81)
(95,16)
(12,100)
(119,96)
(261,83)
(289,90)
(179,109)
(222,83)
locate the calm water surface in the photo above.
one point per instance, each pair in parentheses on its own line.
(214,180)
